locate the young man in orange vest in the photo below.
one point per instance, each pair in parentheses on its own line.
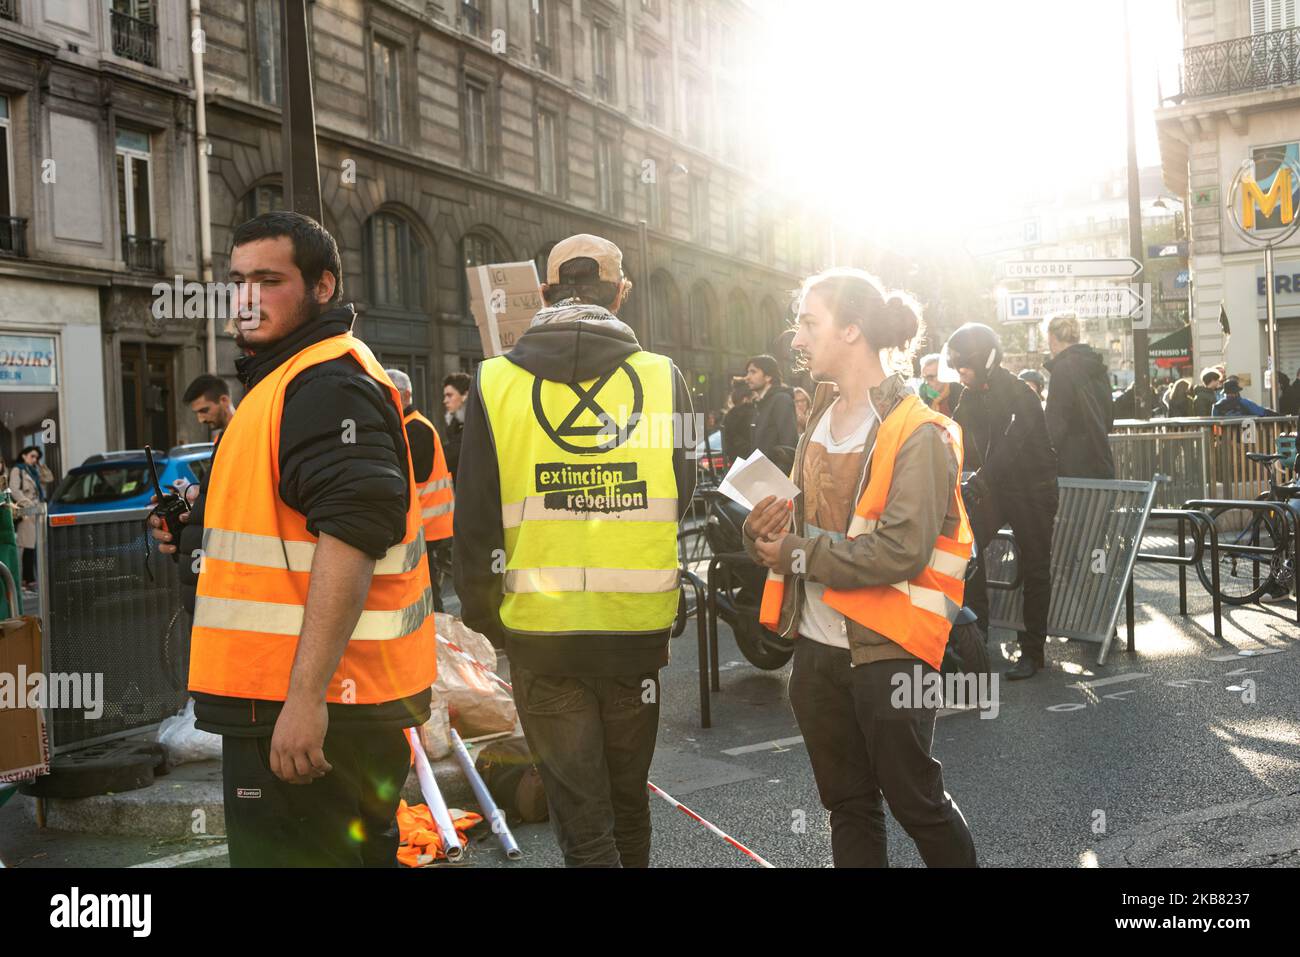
(432,478)
(312,646)
(869,580)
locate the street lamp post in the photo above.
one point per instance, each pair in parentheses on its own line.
(1141,370)
(297,114)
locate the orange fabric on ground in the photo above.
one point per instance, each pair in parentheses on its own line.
(418,834)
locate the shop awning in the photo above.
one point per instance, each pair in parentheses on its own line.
(1173,350)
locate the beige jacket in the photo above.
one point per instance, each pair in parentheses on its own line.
(918,510)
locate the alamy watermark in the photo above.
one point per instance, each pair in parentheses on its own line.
(930,689)
(211,300)
(75,691)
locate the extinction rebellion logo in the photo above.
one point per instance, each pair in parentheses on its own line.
(609,487)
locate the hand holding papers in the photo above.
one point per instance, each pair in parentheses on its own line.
(754,478)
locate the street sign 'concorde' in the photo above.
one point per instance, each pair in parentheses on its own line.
(1113,302)
(1071,269)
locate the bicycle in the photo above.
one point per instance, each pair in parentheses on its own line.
(1255,546)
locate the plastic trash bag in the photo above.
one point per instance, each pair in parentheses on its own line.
(184,742)
(476,704)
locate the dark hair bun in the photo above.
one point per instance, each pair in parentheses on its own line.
(902,318)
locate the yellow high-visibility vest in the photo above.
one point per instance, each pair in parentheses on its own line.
(588,497)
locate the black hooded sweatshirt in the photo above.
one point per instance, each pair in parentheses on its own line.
(1080,413)
(569,352)
(1004,435)
(356,492)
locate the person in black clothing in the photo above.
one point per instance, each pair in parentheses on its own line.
(355,492)
(776,431)
(1289,399)
(1079,409)
(1006,445)
(425,449)
(1205,395)
(738,423)
(454,390)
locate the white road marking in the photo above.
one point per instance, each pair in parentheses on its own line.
(1246,653)
(176,860)
(1112,680)
(779,743)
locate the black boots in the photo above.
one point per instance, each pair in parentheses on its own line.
(1026,667)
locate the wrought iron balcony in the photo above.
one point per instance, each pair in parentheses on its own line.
(1247,63)
(13,236)
(8,9)
(135,39)
(143,254)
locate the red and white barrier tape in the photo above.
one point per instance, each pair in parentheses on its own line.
(654,789)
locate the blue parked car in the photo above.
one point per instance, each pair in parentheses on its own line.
(113,480)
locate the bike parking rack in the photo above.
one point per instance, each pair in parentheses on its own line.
(1206,525)
(1290,521)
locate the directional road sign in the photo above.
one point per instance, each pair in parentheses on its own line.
(1071,269)
(1114,302)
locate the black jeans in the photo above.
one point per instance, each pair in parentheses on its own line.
(345,819)
(593,739)
(863,748)
(1031,513)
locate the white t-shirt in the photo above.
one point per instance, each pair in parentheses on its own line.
(835,466)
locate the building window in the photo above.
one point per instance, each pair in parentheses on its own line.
(395,264)
(13,233)
(476,150)
(548,154)
(476,250)
(699,209)
(386,64)
(694,22)
(651,7)
(1269,15)
(134,25)
(471,13)
(650,88)
(542,38)
(653,196)
(701,316)
(605,172)
(266,32)
(602,42)
(135,201)
(263,199)
(693,111)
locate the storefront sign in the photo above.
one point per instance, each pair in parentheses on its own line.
(28,363)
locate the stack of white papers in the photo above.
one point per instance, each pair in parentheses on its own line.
(754,478)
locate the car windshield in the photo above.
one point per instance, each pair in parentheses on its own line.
(102,485)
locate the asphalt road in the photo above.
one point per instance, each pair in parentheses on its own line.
(1152,759)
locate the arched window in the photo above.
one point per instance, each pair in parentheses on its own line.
(739,323)
(669,319)
(703,316)
(395,264)
(478,248)
(263,198)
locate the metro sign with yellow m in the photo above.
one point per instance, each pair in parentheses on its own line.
(1280,194)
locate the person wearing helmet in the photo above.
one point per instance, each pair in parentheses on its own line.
(1035,380)
(1014,484)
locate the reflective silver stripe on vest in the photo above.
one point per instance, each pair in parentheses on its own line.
(533,509)
(434,486)
(435,510)
(946,563)
(271,618)
(634,580)
(929,599)
(268,551)
(862,526)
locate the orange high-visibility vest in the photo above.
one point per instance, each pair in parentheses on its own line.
(437,500)
(916,614)
(256,567)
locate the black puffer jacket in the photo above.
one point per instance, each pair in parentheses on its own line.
(1004,435)
(776,430)
(356,492)
(1080,413)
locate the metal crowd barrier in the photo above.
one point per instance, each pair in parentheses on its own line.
(1178,461)
(1099,526)
(103,614)
(1227,472)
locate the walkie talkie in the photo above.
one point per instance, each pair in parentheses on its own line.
(171,505)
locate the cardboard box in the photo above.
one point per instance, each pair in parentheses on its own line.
(24,747)
(504,297)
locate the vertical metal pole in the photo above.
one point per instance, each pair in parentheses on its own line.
(1141,370)
(1270,310)
(298,117)
(644,228)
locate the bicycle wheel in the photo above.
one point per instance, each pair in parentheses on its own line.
(1243,578)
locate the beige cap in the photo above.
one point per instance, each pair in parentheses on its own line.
(609,258)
